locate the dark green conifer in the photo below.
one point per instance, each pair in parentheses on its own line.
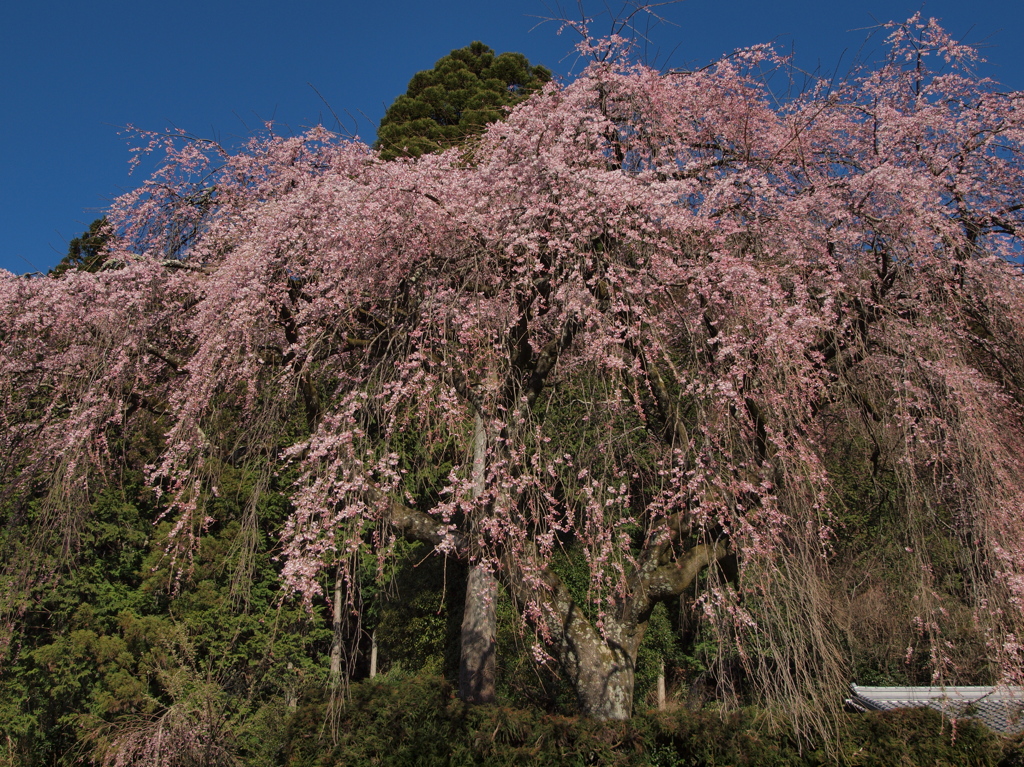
(86,253)
(465,90)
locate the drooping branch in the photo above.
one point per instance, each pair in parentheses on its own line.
(310,401)
(668,407)
(657,580)
(673,579)
(546,360)
(419,526)
(168,359)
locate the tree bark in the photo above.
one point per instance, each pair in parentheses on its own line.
(336,625)
(602,670)
(661,685)
(373,654)
(477,660)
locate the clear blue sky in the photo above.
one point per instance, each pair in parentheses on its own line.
(75,72)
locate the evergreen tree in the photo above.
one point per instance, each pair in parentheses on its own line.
(466,90)
(86,253)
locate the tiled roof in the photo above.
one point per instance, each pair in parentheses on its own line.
(1001,708)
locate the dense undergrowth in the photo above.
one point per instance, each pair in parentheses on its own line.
(416,721)
(114,650)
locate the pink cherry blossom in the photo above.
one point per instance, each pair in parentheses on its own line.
(665,296)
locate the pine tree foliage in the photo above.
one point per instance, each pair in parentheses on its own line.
(86,252)
(466,90)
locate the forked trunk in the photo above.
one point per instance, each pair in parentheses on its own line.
(602,671)
(604,690)
(477,660)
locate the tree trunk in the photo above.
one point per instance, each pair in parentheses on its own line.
(600,663)
(601,669)
(373,654)
(604,690)
(661,685)
(477,661)
(336,625)
(477,664)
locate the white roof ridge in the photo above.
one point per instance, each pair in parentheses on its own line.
(1001,707)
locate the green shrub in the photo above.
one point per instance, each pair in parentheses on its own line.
(400,720)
